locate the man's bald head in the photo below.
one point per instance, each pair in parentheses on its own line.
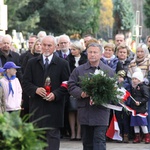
(48,45)
(6,43)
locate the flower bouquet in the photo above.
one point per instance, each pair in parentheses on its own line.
(101,88)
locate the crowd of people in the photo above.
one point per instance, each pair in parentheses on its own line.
(42,80)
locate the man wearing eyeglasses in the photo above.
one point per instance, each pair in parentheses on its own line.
(64,44)
(63,52)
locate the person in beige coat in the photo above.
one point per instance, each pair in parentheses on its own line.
(141,60)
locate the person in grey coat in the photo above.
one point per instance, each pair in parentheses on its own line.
(93,119)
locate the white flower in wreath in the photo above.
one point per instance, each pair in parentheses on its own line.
(89,79)
(98,71)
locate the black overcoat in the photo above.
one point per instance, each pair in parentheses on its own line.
(140,94)
(14,57)
(71,59)
(34,77)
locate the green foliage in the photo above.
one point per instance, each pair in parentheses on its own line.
(123,15)
(58,17)
(16,20)
(146,9)
(68,16)
(100,88)
(16,134)
(96,16)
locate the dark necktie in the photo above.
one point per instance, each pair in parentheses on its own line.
(65,56)
(46,63)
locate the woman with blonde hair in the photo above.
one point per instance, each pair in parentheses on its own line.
(141,60)
(75,58)
(35,51)
(109,58)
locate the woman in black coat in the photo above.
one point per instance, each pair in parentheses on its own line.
(123,117)
(123,56)
(75,58)
(35,51)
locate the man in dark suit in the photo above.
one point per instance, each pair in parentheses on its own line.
(25,103)
(31,42)
(63,52)
(64,44)
(48,104)
(6,54)
(86,39)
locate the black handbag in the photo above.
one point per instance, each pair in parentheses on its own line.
(72,104)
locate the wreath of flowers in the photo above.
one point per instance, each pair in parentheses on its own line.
(101,88)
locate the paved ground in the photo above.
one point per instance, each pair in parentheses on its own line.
(77,145)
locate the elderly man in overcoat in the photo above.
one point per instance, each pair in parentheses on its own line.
(7,54)
(48,104)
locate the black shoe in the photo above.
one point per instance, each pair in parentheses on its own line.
(78,139)
(73,139)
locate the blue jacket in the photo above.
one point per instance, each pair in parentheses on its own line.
(112,63)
